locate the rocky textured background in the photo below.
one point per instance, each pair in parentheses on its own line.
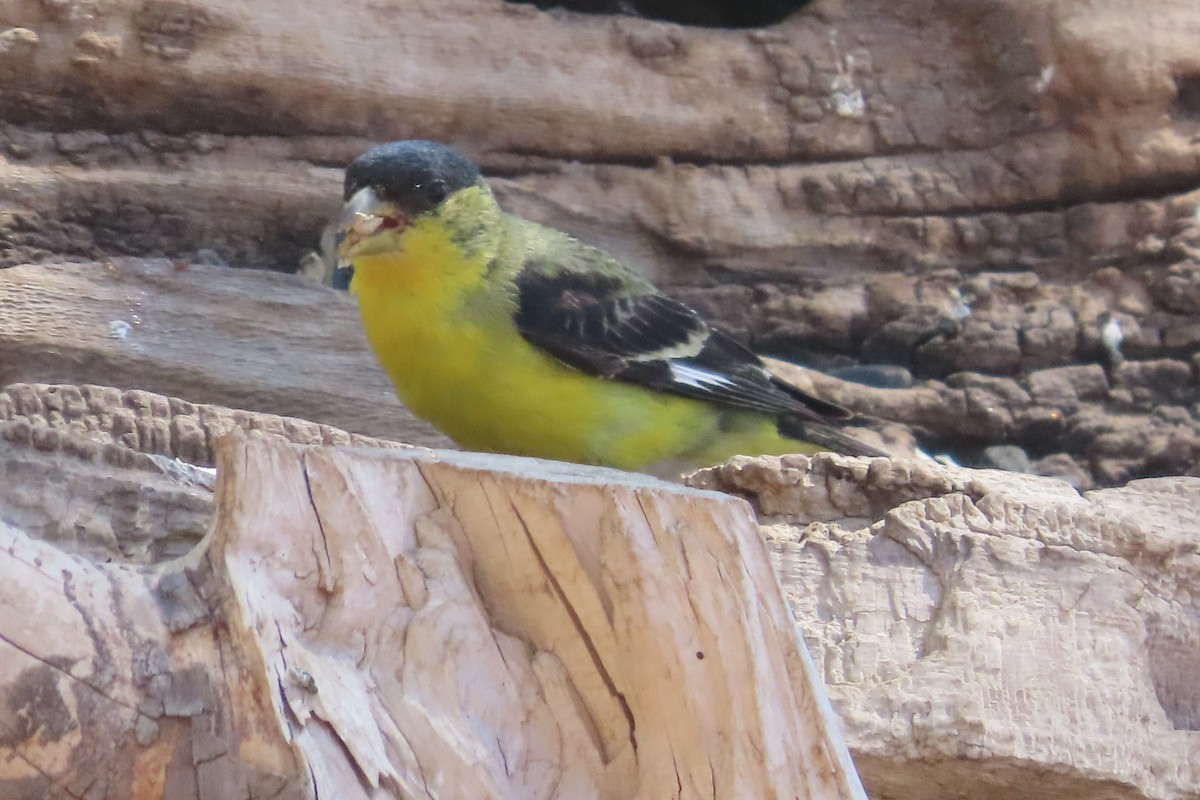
(965,195)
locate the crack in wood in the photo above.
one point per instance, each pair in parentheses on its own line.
(327,580)
(580,628)
(50,662)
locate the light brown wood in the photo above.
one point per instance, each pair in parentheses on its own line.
(115,685)
(397,624)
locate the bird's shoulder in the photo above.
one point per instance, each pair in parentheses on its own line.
(548,255)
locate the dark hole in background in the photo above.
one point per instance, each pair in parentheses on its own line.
(1187,96)
(704,13)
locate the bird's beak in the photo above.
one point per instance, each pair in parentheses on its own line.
(363,216)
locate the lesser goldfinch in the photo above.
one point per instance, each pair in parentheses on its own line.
(513,337)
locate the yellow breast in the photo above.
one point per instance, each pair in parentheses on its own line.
(448,342)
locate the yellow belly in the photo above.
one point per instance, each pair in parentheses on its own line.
(488,389)
(461,364)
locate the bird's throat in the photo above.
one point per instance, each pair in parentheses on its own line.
(426,261)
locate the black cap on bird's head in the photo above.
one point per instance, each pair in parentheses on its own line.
(390,185)
(414,175)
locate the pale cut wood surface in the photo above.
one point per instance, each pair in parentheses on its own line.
(368,625)
(492,627)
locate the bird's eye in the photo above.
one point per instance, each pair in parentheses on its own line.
(436,191)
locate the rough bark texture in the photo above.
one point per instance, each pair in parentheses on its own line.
(124,476)
(282,344)
(990,635)
(363,625)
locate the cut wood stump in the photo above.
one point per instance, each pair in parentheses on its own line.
(371,624)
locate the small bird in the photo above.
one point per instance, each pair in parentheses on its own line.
(513,337)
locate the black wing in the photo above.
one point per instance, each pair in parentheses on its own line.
(592,322)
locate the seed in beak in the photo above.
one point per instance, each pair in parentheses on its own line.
(366,224)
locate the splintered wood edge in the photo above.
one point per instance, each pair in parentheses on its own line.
(551,606)
(115,684)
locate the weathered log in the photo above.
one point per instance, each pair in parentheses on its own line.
(374,624)
(281,344)
(124,476)
(274,344)
(985,634)
(1042,134)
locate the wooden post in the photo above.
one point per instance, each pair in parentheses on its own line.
(366,624)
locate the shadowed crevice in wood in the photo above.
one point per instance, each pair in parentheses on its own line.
(706,13)
(327,580)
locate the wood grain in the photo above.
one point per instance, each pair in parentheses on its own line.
(369,623)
